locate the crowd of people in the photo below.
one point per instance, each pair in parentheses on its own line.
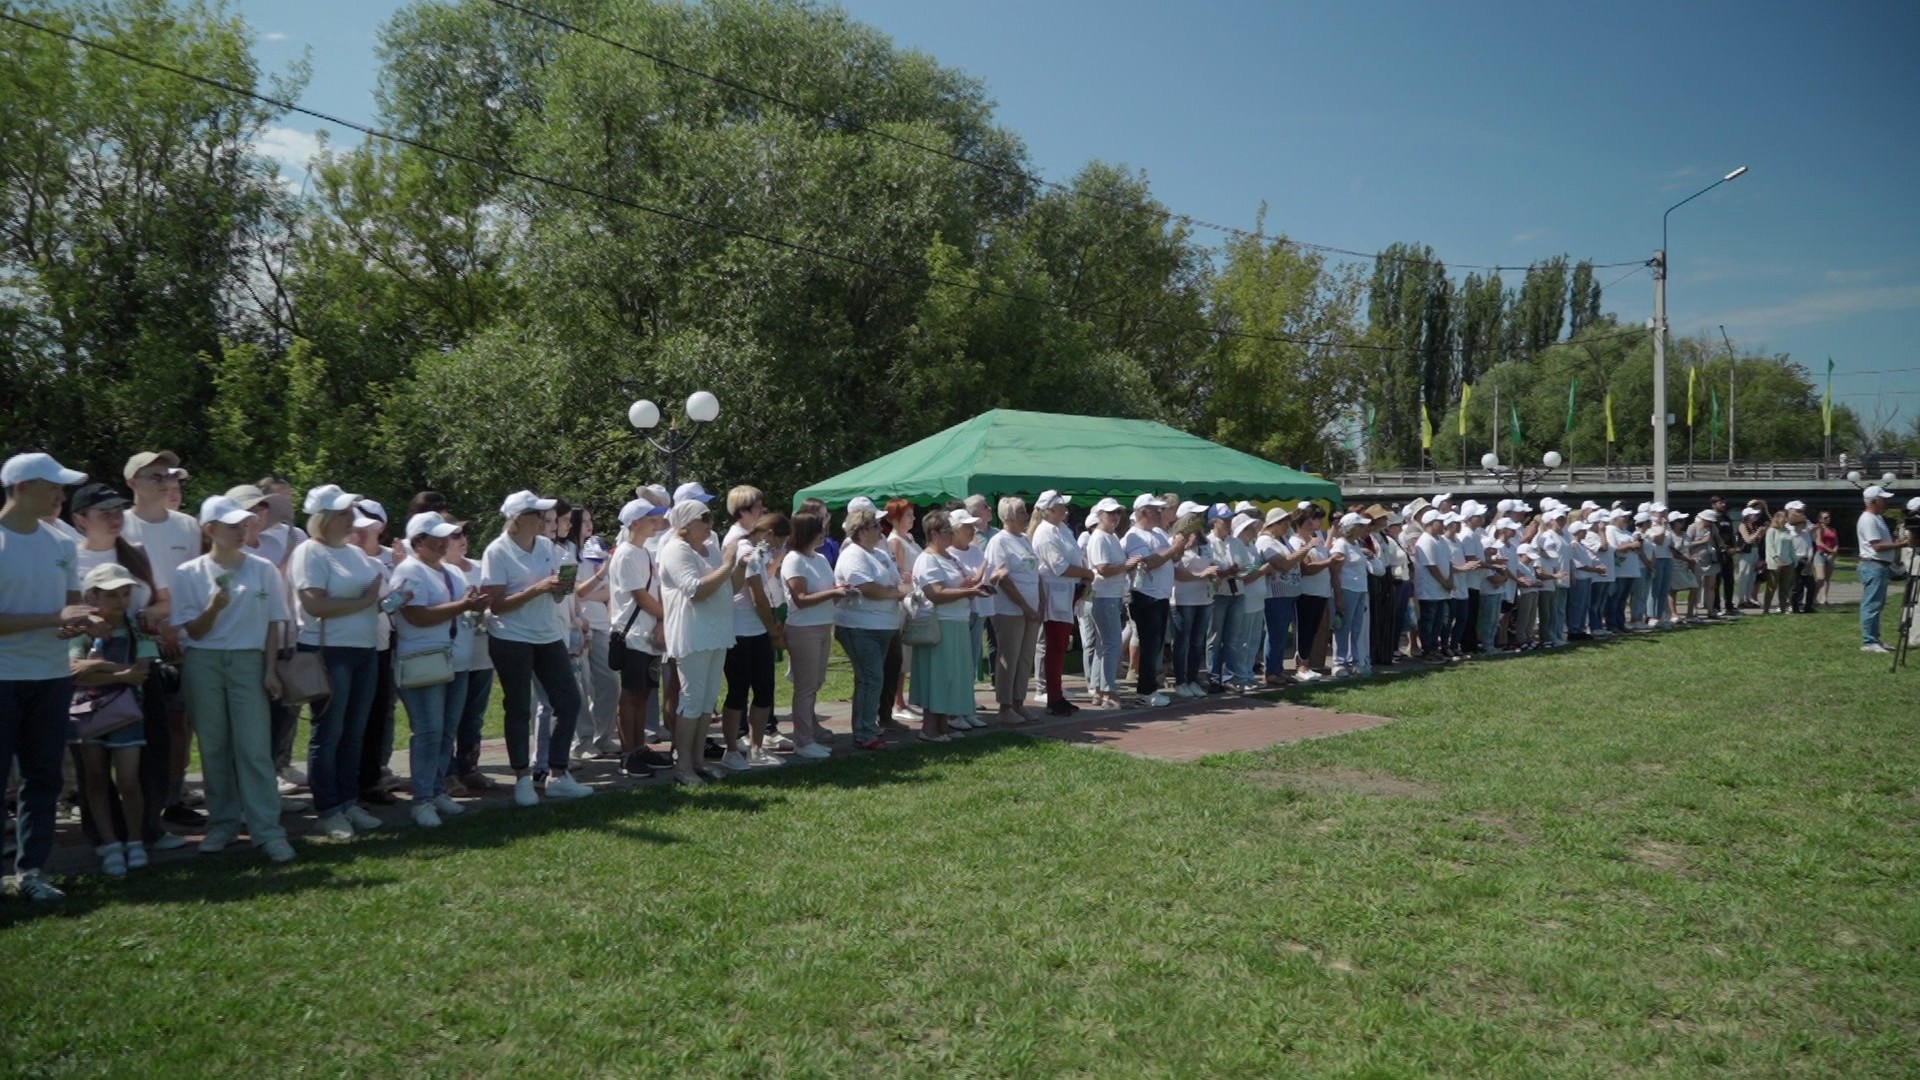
(129,627)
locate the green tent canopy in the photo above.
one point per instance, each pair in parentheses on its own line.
(1008,452)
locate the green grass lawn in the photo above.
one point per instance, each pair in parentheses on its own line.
(1690,854)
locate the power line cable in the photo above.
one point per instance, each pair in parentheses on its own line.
(690,219)
(1002,170)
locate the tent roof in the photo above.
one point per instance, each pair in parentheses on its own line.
(1008,452)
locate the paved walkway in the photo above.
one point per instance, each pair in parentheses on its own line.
(1182,731)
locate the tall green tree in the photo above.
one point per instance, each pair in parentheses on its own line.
(1404,315)
(1583,299)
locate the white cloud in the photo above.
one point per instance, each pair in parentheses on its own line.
(1858,275)
(274,35)
(291,147)
(1818,307)
(1529,236)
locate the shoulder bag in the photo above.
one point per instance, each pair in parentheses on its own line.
(920,623)
(96,715)
(431,666)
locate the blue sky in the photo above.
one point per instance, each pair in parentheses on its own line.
(1497,133)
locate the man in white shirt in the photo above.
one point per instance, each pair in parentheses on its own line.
(1432,583)
(169,538)
(1877,547)
(1555,568)
(1150,554)
(39,610)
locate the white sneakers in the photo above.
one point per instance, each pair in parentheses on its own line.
(278,850)
(813,751)
(424,816)
(735,760)
(1874,647)
(565,786)
(336,826)
(216,841)
(447,807)
(762,758)
(113,860)
(136,855)
(777,741)
(523,793)
(362,821)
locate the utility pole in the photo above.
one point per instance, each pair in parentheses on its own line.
(1731,364)
(1660,377)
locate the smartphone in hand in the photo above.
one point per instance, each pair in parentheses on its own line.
(568,573)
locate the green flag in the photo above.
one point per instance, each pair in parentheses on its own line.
(1571,387)
(1713,420)
(1371,429)
(1514,412)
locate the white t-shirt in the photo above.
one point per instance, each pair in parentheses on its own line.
(1659,541)
(1320,584)
(1626,564)
(1011,550)
(693,626)
(1057,552)
(973,559)
(946,572)
(1105,549)
(1431,551)
(1553,557)
(142,596)
(1139,543)
(1870,529)
(633,571)
(1595,557)
(167,543)
(541,619)
(1474,546)
(256,597)
(37,571)
(430,588)
(1257,590)
(477,657)
(1193,593)
(746,617)
(1457,562)
(342,573)
(1287,582)
(1353,569)
(817,573)
(1219,552)
(592,554)
(276,542)
(858,566)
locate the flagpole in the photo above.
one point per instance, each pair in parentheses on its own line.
(1731,365)
(1496,421)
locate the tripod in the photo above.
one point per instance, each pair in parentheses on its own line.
(1906,613)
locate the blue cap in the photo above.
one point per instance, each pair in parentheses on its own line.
(1219,512)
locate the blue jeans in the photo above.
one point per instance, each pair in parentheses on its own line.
(1433,624)
(339,727)
(33,729)
(433,715)
(1350,636)
(1457,623)
(1622,593)
(1549,607)
(473,717)
(1873,598)
(1243,635)
(1579,595)
(1104,672)
(1637,597)
(1190,643)
(1489,626)
(1219,640)
(867,650)
(1662,578)
(1279,634)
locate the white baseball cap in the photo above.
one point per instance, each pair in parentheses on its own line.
(1877,492)
(223,510)
(1577,528)
(1351,520)
(1526,549)
(1109,506)
(691,490)
(21,468)
(1678,515)
(1445,496)
(1146,501)
(1589,505)
(1049,500)
(525,502)
(1913,505)
(1473,509)
(1558,513)
(1657,508)
(1709,515)
(148,457)
(1795,504)
(858,502)
(107,577)
(636,509)
(653,493)
(957,518)
(1245,507)
(1429,516)
(1749,511)
(431,523)
(328,498)
(367,513)
(1506,523)
(1506,506)
(1642,518)
(1190,508)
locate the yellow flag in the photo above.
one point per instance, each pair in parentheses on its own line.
(1426,428)
(1609,415)
(1466,395)
(1693,376)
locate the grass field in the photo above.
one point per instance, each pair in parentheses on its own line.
(1691,854)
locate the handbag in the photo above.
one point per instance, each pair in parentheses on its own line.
(101,714)
(432,666)
(922,626)
(617,641)
(303,675)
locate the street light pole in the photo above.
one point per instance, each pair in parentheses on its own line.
(1660,341)
(644,415)
(1515,478)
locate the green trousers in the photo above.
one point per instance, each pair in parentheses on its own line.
(227,702)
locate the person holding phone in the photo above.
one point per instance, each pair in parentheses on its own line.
(436,598)
(529,629)
(110,660)
(811,596)
(231,610)
(698,580)
(337,590)
(634,584)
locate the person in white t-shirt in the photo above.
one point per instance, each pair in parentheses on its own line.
(530,628)
(1063,570)
(1106,556)
(942,672)
(1552,567)
(1218,546)
(1194,574)
(99,515)
(633,581)
(337,588)
(1317,569)
(698,579)
(1151,554)
(1432,583)
(168,537)
(40,611)
(1256,583)
(598,733)
(1019,608)
(376,748)
(757,635)
(232,611)
(1878,550)
(867,619)
(429,625)
(1353,567)
(811,596)
(463,775)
